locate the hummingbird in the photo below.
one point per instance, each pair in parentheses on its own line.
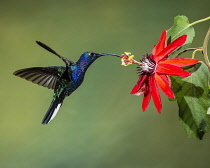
(63,79)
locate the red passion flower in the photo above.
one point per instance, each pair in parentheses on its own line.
(155,69)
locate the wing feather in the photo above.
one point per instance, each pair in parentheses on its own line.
(43,76)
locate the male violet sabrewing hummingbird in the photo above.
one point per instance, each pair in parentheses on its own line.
(64,80)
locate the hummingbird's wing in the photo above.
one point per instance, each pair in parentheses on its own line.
(67,61)
(43,76)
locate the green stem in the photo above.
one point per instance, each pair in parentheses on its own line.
(199,21)
(193,54)
(205,44)
(188,49)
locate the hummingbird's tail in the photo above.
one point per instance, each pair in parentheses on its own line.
(53,109)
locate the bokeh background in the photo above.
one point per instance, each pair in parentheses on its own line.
(100,125)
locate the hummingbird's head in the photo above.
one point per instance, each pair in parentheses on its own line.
(87,58)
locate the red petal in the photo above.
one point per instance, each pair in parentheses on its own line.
(139,85)
(180,62)
(168,79)
(161,44)
(141,80)
(141,91)
(155,94)
(171,47)
(135,89)
(163,83)
(167,69)
(146,98)
(154,49)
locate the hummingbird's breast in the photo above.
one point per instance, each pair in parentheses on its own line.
(77,77)
(78,72)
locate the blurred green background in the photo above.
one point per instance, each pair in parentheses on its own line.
(100,125)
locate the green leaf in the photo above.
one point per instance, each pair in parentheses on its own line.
(181,26)
(192,95)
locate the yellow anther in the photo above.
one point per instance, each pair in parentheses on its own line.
(127,59)
(125,62)
(130,57)
(127,53)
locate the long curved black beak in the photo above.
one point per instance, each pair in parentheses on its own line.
(104,54)
(93,54)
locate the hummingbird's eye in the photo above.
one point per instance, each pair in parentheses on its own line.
(92,54)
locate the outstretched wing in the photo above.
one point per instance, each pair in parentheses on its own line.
(43,76)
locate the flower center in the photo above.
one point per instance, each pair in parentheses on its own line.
(149,66)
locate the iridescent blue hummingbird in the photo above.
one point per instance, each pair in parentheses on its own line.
(64,80)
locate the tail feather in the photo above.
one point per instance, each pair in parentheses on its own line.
(53,109)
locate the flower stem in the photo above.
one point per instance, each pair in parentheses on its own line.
(188,49)
(193,54)
(199,21)
(205,44)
